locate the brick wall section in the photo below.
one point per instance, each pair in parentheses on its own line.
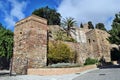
(59,71)
(81,49)
(30,44)
(98,44)
(95,46)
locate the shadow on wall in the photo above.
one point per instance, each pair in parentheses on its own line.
(115,58)
(115,54)
(4,63)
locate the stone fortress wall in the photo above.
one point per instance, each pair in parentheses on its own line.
(30,43)
(98,43)
(90,42)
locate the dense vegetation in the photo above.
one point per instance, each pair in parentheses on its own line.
(59,52)
(90,25)
(52,16)
(115,37)
(81,25)
(68,24)
(90,61)
(100,26)
(6,47)
(115,31)
(61,35)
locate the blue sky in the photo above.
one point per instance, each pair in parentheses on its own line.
(83,11)
(12,11)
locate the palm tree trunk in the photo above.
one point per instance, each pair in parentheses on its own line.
(68,31)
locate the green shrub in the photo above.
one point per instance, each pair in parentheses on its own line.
(61,35)
(59,52)
(90,61)
(63,65)
(70,39)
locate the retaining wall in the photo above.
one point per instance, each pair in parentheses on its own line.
(59,71)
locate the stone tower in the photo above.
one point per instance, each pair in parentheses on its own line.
(30,44)
(98,44)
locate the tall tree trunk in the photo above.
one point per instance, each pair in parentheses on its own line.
(68,31)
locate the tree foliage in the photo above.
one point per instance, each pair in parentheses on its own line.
(59,52)
(100,26)
(90,61)
(90,25)
(81,25)
(115,54)
(52,16)
(115,31)
(6,45)
(62,36)
(68,23)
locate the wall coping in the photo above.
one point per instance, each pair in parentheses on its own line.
(32,17)
(59,71)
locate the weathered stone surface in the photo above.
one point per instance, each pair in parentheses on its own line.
(81,49)
(98,44)
(79,35)
(53,30)
(59,71)
(30,44)
(90,43)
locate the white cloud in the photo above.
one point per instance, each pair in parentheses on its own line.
(17,9)
(13,10)
(90,10)
(3,7)
(10,22)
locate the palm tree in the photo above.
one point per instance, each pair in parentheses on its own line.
(68,22)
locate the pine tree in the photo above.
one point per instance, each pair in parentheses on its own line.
(52,16)
(115,31)
(100,26)
(81,25)
(90,25)
(6,46)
